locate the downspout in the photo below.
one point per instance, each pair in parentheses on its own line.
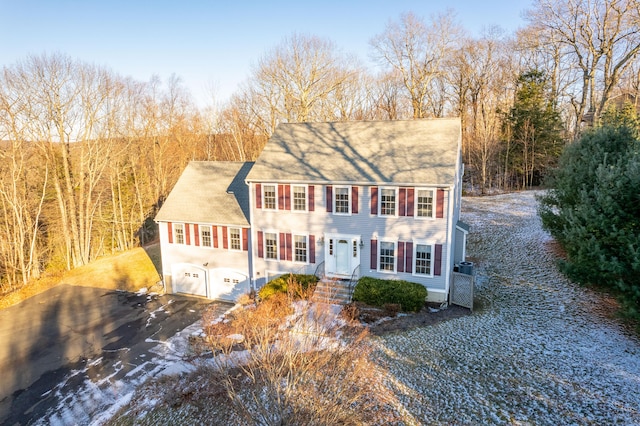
(450,237)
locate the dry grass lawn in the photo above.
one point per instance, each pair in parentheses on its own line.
(128,271)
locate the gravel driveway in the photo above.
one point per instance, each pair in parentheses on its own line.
(537,350)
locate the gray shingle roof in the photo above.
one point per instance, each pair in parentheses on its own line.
(209,192)
(401,152)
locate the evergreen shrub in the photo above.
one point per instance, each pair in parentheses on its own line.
(282,284)
(378,292)
(593,211)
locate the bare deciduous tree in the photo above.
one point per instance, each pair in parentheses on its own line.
(417,52)
(602,37)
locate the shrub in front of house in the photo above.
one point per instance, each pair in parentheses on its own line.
(298,285)
(377,292)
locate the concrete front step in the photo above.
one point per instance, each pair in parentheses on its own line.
(329,291)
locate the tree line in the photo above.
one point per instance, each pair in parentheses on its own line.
(87,156)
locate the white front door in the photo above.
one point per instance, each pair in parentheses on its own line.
(341,254)
(343,257)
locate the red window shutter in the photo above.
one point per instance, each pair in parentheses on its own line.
(287,197)
(408,251)
(374,254)
(437,260)
(311,198)
(245,239)
(283,245)
(196,234)
(170,232)
(402,205)
(280,197)
(187,234)
(329,198)
(289,248)
(354,200)
(312,249)
(440,204)
(258,196)
(214,231)
(400,260)
(260,244)
(410,201)
(374,200)
(225,238)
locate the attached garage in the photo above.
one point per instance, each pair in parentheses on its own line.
(218,284)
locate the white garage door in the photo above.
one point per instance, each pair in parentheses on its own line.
(189,279)
(227,284)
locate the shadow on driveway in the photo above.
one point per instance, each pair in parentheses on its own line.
(68,334)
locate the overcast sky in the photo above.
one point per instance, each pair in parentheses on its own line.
(212,43)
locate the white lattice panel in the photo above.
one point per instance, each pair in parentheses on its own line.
(462,290)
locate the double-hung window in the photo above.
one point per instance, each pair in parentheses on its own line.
(271,245)
(269,197)
(388,201)
(299,198)
(300,248)
(206,236)
(424,203)
(235,239)
(178,233)
(423,263)
(387,257)
(341,199)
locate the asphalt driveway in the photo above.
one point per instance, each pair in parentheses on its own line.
(101,333)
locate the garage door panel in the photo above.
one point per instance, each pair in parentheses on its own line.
(189,279)
(228,284)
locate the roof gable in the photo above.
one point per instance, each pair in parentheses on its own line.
(209,192)
(405,152)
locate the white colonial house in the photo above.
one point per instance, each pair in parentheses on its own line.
(341,200)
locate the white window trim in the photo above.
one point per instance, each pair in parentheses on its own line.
(397,196)
(263,187)
(293,248)
(211,230)
(229,228)
(434,194)
(349,202)
(264,245)
(415,250)
(395,256)
(306,198)
(175,234)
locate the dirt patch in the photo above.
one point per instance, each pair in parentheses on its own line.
(381,322)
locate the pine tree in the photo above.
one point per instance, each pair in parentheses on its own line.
(535,130)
